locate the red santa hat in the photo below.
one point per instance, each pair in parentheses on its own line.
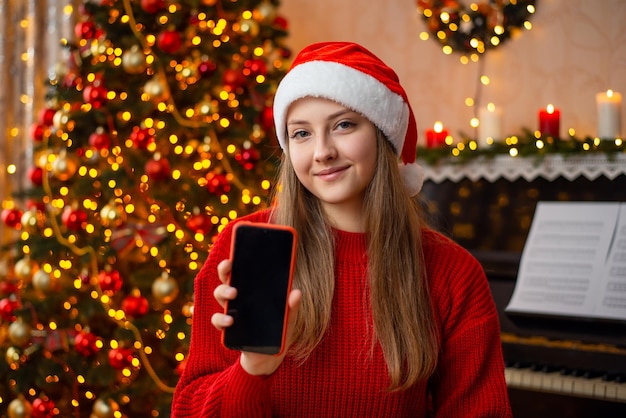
(352,76)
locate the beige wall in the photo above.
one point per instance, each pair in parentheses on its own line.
(576,49)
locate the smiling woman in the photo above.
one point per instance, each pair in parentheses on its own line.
(475,29)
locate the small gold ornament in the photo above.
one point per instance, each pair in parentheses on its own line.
(20,408)
(13,357)
(104,408)
(43,282)
(24,269)
(265,12)
(32,220)
(60,119)
(134,60)
(155,89)
(19,332)
(64,166)
(165,289)
(249,27)
(112,215)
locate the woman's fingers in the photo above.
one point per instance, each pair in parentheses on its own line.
(221,321)
(223,270)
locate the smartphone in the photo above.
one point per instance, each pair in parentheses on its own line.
(263,258)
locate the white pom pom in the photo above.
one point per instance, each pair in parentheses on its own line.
(413,177)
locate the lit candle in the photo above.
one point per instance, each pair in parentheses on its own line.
(549,121)
(436,136)
(609,107)
(490,125)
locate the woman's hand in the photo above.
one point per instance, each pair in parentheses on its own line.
(252,363)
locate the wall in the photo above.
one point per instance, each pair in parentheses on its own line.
(576,49)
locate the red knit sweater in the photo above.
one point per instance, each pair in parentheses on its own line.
(342,377)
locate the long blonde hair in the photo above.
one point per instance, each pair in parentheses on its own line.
(401,307)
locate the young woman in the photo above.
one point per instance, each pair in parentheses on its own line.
(388,318)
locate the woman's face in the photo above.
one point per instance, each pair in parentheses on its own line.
(333,152)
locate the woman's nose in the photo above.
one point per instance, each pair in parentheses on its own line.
(324,148)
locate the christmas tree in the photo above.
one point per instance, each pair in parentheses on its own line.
(157,131)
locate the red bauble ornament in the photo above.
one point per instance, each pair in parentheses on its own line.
(141,137)
(217,183)
(233,78)
(281,23)
(7,309)
(248,158)
(35,174)
(7,287)
(12,217)
(85,30)
(158,169)
(255,67)
(43,408)
(169,41)
(110,281)
(95,94)
(206,68)
(135,305)
(100,140)
(37,132)
(152,6)
(40,206)
(46,116)
(85,344)
(74,219)
(267,119)
(120,357)
(200,222)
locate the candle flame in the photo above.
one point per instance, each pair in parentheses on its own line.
(550,109)
(609,93)
(438,127)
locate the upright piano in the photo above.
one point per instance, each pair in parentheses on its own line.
(555,366)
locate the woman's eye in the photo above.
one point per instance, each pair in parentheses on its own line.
(344,124)
(298,134)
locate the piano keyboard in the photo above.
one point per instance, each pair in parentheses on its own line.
(556,382)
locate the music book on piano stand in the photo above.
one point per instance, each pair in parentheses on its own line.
(574,262)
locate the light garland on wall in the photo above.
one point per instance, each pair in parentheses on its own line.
(473,30)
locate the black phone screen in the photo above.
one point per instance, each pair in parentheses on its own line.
(261,273)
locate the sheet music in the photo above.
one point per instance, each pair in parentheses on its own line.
(613,290)
(565,259)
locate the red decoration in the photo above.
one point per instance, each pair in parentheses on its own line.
(233,78)
(120,358)
(74,219)
(7,287)
(37,132)
(100,140)
(46,116)
(35,174)
(200,222)
(281,22)
(158,169)
(85,344)
(85,30)
(217,183)
(169,41)
(96,94)
(141,137)
(135,305)
(255,67)
(110,281)
(436,136)
(43,408)
(152,6)
(248,158)
(40,206)
(206,68)
(12,217)
(7,309)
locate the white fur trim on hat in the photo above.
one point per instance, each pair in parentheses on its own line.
(412,177)
(349,87)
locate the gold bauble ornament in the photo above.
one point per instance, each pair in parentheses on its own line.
(155,88)
(12,356)
(249,27)
(104,409)
(43,282)
(24,269)
(20,408)
(98,48)
(134,60)
(165,289)
(112,215)
(19,332)
(265,12)
(64,166)
(32,220)
(60,119)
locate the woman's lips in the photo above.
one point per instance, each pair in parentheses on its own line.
(329,174)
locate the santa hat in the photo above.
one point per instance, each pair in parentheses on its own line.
(352,76)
